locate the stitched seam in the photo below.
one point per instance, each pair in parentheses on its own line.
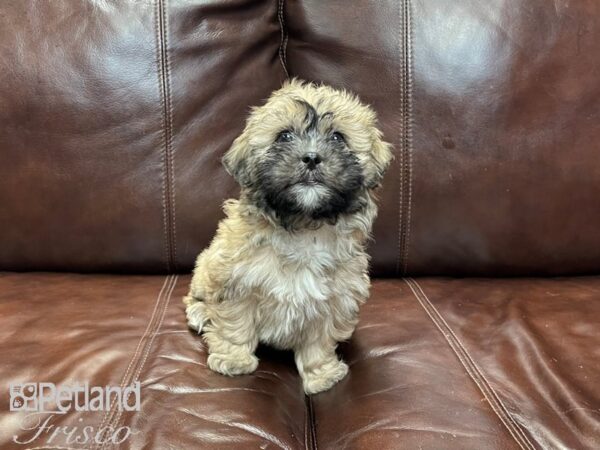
(154,326)
(408,127)
(470,366)
(108,414)
(405,135)
(468,363)
(400,81)
(284,38)
(113,411)
(162,315)
(167,132)
(170,140)
(163,133)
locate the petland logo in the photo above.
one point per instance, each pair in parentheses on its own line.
(45,401)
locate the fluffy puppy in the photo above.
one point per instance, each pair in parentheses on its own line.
(288,265)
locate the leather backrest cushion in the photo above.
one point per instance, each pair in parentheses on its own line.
(494,111)
(114,116)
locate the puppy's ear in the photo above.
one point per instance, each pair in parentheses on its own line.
(381,155)
(235,160)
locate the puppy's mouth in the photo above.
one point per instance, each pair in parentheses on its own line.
(311,178)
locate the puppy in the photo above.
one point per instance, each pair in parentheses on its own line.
(288,266)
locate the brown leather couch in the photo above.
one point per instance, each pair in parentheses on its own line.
(483,327)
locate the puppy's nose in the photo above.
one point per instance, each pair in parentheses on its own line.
(311,160)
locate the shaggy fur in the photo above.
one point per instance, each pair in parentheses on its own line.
(288,266)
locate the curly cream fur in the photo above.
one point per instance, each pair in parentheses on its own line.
(292,289)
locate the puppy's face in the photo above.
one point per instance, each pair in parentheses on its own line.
(310,153)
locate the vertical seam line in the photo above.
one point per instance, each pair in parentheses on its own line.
(162,131)
(400,81)
(474,372)
(164,75)
(405,136)
(170,140)
(284,37)
(408,128)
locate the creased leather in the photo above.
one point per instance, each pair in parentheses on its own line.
(536,345)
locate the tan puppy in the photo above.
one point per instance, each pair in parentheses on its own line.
(288,266)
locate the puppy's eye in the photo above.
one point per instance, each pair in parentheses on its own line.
(338,137)
(285,136)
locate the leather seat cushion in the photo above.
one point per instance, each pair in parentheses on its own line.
(435,363)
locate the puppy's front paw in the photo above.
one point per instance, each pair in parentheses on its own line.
(324,377)
(232,364)
(195,314)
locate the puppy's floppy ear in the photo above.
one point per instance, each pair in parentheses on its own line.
(381,155)
(234,160)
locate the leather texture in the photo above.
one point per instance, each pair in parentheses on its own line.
(493,108)
(115,115)
(113,119)
(531,346)
(435,363)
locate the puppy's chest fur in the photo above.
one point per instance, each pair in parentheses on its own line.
(292,279)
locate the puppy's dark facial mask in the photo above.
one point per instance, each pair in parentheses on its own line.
(309,171)
(311,154)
